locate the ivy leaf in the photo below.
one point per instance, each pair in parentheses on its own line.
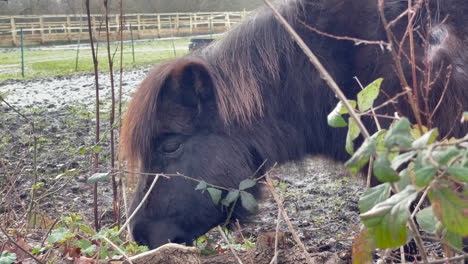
(367,96)
(246,184)
(230,198)
(373,196)
(426,139)
(98,177)
(387,220)
(215,194)
(59,235)
(458,173)
(450,208)
(424,175)
(248,201)
(382,170)
(353,133)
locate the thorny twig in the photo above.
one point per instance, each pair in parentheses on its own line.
(398,67)
(139,205)
(229,244)
(112,113)
(118,249)
(286,219)
(356,41)
(274,260)
(96,80)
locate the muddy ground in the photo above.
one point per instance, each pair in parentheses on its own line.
(320,197)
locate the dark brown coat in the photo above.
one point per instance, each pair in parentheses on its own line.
(219,113)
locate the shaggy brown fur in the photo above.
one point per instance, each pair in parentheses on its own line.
(219,113)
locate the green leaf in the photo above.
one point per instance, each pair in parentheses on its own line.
(38,185)
(98,177)
(353,133)
(458,173)
(59,235)
(424,175)
(405,178)
(334,118)
(7,257)
(387,220)
(83,243)
(373,196)
(248,201)
(96,149)
(362,155)
(246,184)
(382,170)
(427,220)
(399,135)
(453,239)
(215,194)
(426,139)
(465,116)
(450,208)
(402,158)
(363,248)
(100,235)
(367,96)
(82,150)
(86,229)
(230,198)
(444,156)
(201,186)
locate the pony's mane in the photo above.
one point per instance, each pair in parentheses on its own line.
(245,60)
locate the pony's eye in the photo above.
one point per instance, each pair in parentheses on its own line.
(171,147)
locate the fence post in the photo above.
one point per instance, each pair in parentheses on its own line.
(133,45)
(22,53)
(13,31)
(195,19)
(159,25)
(41,23)
(211,27)
(77,52)
(191,23)
(227,24)
(117,24)
(68,28)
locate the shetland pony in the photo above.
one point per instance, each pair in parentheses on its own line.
(253,98)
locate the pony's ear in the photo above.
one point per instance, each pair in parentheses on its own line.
(189,84)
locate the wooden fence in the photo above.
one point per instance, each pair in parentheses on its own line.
(72,28)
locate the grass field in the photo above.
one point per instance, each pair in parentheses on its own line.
(61,60)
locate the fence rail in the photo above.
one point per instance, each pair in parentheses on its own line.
(71,28)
